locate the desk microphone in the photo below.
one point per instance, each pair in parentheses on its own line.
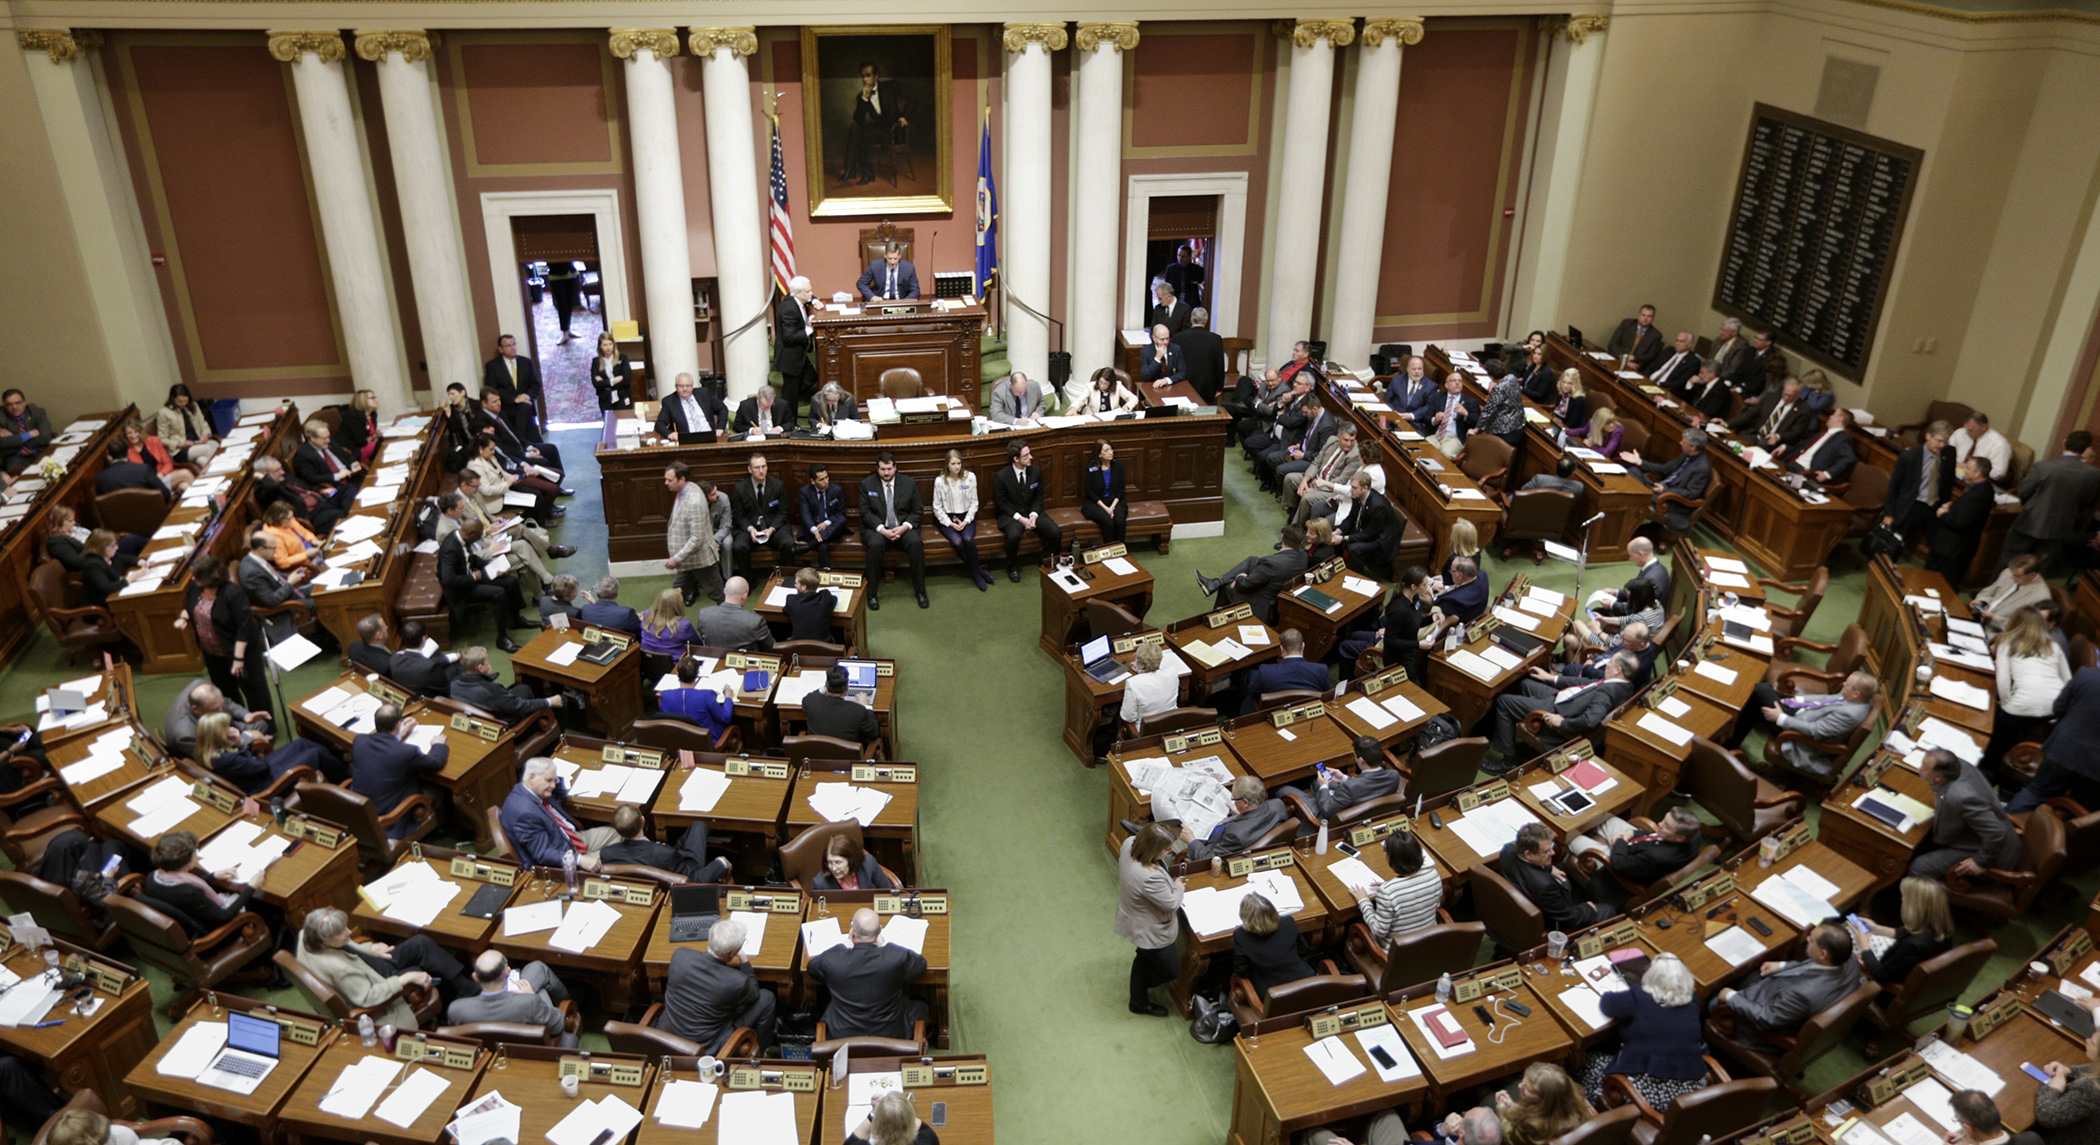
(1591,521)
(932,263)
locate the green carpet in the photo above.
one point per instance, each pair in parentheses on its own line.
(1012,824)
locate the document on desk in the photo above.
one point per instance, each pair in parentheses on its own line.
(601,781)
(95,766)
(1655,724)
(838,802)
(491,1117)
(1253,635)
(1936,732)
(168,792)
(1120,566)
(1277,887)
(358,1086)
(791,689)
(757,1117)
(1600,974)
(821,934)
(1354,874)
(592,1120)
(1387,1037)
(1795,904)
(1587,1004)
(420,905)
(1932,1096)
(1727,580)
(702,789)
(1517,617)
(1369,711)
(27,1001)
(1472,665)
(1735,946)
(195,1050)
(1545,596)
(531,918)
(1714,672)
(408,1102)
(583,926)
(907,932)
(1332,1055)
(1967,658)
(1487,829)
(640,786)
(754,931)
(686,1104)
(565,655)
(1965,1070)
(1207,655)
(1908,1130)
(1967,695)
(1403,707)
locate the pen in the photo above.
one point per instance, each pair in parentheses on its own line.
(52,1022)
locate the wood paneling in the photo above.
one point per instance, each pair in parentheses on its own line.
(1193,94)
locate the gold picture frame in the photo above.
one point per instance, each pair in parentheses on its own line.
(881,156)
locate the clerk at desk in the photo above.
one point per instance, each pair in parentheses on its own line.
(892,278)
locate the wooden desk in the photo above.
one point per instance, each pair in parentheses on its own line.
(1452,851)
(255,1110)
(614,963)
(669,1069)
(751,809)
(1204,678)
(1088,702)
(1323,629)
(588,757)
(1874,845)
(308,876)
(1853,882)
(1745,671)
(614,690)
(23,547)
(1125,801)
(530,1078)
(1616,799)
(1342,906)
(849,617)
(894,835)
(1524,1040)
(302,1116)
(1064,613)
(1686,938)
(1471,698)
(115,817)
(1553,980)
(339,609)
(854,350)
(1344,711)
(1198,949)
(1286,754)
(779,954)
(450,927)
(1278,1093)
(969,1106)
(112,690)
(883,701)
(141,759)
(935,950)
(1650,758)
(94,1052)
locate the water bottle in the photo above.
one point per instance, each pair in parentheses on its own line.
(568,871)
(1443,988)
(366,1032)
(1320,842)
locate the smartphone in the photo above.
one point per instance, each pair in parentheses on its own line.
(939,1116)
(2037,1074)
(1348,850)
(1384,1059)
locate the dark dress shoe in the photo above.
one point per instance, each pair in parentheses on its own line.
(922,601)
(874,603)
(984,584)
(1209,586)
(1014,575)
(507,644)
(560,551)
(1150,1010)
(521,621)
(567,492)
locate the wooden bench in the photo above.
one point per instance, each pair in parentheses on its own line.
(1147,519)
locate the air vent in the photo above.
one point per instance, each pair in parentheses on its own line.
(1847,95)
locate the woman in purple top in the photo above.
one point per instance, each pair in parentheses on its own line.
(694,704)
(665,629)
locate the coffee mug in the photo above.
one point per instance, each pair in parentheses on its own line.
(709,1067)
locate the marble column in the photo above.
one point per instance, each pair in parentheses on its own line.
(659,202)
(106,223)
(740,215)
(1361,237)
(437,260)
(1024,195)
(1097,194)
(1575,65)
(357,261)
(1304,167)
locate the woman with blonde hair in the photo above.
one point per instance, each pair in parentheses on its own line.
(1927,932)
(87,1127)
(1465,542)
(359,434)
(2032,671)
(1573,408)
(297,546)
(666,630)
(612,376)
(893,1121)
(1267,948)
(219,748)
(1603,433)
(955,514)
(1319,541)
(1547,1105)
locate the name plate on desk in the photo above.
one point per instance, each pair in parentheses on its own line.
(1208,737)
(923,417)
(1879,1090)
(1329,570)
(1225,616)
(1570,754)
(894,904)
(775,902)
(501,876)
(1989,1017)
(745,661)
(633,756)
(387,693)
(1483,795)
(1517,588)
(1711,889)
(1390,678)
(1129,643)
(1284,717)
(618,640)
(215,796)
(1799,1133)
(300,1031)
(632,896)
(461,722)
(1480,628)
(582,1068)
(107,979)
(1371,833)
(412,1049)
(2067,954)
(878,773)
(1591,945)
(840,579)
(313,831)
(1659,693)
(1099,553)
(764,769)
(1267,861)
(1362,1018)
(802,1080)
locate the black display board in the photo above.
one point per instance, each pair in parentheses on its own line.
(1819,210)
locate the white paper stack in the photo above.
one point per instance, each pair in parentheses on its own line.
(1735,946)
(583,926)
(1372,713)
(591,1119)
(702,789)
(491,1117)
(190,1054)
(685,1104)
(161,808)
(1967,695)
(359,1085)
(838,802)
(756,1117)
(242,848)
(407,1103)
(640,786)
(1488,829)
(821,934)
(791,689)
(907,932)
(1335,1060)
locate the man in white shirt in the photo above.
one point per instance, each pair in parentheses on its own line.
(1678,366)
(1977,437)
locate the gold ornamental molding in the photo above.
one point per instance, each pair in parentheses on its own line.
(413,45)
(1405,31)
(662,41)
(287,47)
(705,42)
(1122,37)
(1573,29)
(1308,33)
(1050,36)
(62,46)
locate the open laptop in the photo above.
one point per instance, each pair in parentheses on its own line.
(247,1058)
(860,675)
(1575,338)
(694,912)
(1100,661)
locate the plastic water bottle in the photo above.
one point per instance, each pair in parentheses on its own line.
(1443,987)
(366,1032)
(568,871)
(1320,842)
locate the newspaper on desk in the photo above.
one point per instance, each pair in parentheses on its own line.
(490,1117)
(1799,894)
(1488,828)
(1194,793)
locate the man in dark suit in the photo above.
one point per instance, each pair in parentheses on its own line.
(1921,483)
(319,511)
(1527,865)
(541,828)
(1687,476)
(1754,370)
(1778,419)
(688,859)
(1464,600)
(464,577)
(709,995)
(2056,498)
(1291,673)
(604,610)
(791,342)
(866,978)
(1368,532)
(1160,362)
(533,1001)
(823,514)
(25,431)
(830,713)
(1634,637)
(1334,792)
(1707,393)
(832,405)
(1638,339)
(1829,456)
(386,769)
(1786,994)
(729,624)
(118,472)
(759,517)
(429,673)
(1167,310)
(1254,815)
(1574,707)
(1017,501)
(1203,355)
(1678,366)
(1641,551)
(268,586)
(1412,396)
(518,381)
(691,417)
(493,418)
(1970,830)
(1257,580)
(476,684)
(891,279)
(763,412)
(1186,277)
(879,108)
(1957,527)
(889,515)
(2071,754)
(370,651)
(318,466)
(1636,857)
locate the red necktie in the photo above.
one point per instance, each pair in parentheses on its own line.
(575,840)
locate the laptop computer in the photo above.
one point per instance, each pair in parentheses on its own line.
(249,1055)
(694,912)
(860,675)
(2066,1013)
(1100,662)
(1575,337)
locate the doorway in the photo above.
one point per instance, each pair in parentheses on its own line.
(1181,237)
(562,286)
(1208,206)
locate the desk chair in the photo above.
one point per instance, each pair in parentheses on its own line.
(804,748)
(57,910)
(1866,493)
(869,1047)
(1486,460)
(1417,956)
(493,1034)
(1354,813)
(499,840)
(810,649)
(23,839)
(1613,1127)
(1748,806)
(1790,677)
(1620,1093)
(1818,1035)
(1315,993)
(1953,413)
(1172,720)
(1107,618)
(2002,896)
(194,964)
(139,511)
(671,733)
(1659,512)
(191,1129)
(377,848)
(644,1038)
(1535,516)
(2081,827)
(1286,698)
(902,382)
(642,872)
(1446,767)
(1594,865)
(1713,1113)
(1928,987)
(802,857)
(1513,921)
(1794,621)
(79,629)
(423,999)
(1841,753)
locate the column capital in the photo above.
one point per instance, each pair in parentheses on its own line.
(707,41)
(1308,32)
(1402,30)
(627,41)
(289,46)
(1122,37)
(62,45)
(411,43)
(1574,29)
(1050,36)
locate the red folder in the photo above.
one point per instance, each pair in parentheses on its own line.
(1444,1027)
(1587,775)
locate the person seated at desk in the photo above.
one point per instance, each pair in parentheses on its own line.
(823,506)
(1315,492)
(893,1120)
(1102,500)
(688,859)
(497,476)
(1829,456)
(1254,815)
(694,704)
(763,415)
(689,417)
(533,999)
(730,625)
(1607,633)
(1301,433)
(297,546)
(119,472)
(520,446)
(830,713)
(65,540)
(1825,719)
(665,629)
(2019,585)
(560,600)
(209,899)
(1527,864)
(1637,341)
(1708,394)
(1687,477)
(709,994)
(1640,858)
(604,610)
(1926,933)
(1677,365)
(422,669)
(1777,419)
(1408,901)
(99,576)
(464,576)
(893,278)
(1970,830)
(1411,396)
(1464,601)
(1786,994)
(832,405)
(1574,707)
(2067,1106)
(1399,632)
(1603,433)
(1978,1122)
(1105,393)
(319,466)
(1633,637)
(370,651)
(1017,502)
(25,431)
(810,608)
(374,974)
(849,867)
(386,769)
(1661,1050)
(1291,673)
(1018,402)
(1561,480)
(219,749)
(201,699)
(317,509)
(1548,1104)
(1160,362)
(143,448)
(1267,949)
(541,829)
(1367,528)
(1641,551)
(1256,580)
(1536,379)
(866,978)
(87,1127)
(1153,689)
(476,684)
(2031,672)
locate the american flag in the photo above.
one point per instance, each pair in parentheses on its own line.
(783,226)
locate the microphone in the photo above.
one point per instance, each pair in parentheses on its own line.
(1591,521)
(933,266)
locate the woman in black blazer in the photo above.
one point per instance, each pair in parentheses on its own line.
(1661,1051)
(809,610)
(1104,503)
(458,417)
(611,376)
(845,862)
(1539,378)
(217,611)
(197,893)
(1572,408)
(1267,949)
(100,578)
(66,541)
(358,434)
(1927,932)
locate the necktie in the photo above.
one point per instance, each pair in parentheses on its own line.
(1797,704)
(575,840)
(892,293)
(1329,467)
(1566,694)
(1778,412)
(1450,416)
(1668,366)
(889,505)
(693,419)
(512,365)
(1927,482)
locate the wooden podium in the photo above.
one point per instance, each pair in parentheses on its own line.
(943,345)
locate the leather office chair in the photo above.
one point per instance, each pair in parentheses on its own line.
(1285,698)
(1535,515)
(1747,805)
(2083,654)
(1953,413)
(1594,866)
(493,1034)
(1929,986)
(139,511)
(1315,993)
(499,839)
(1513,921)
(1659,512)
(1612,1127)
(902,382)
(1619,1092)
(1634,437)
(1486,460)
(673,734)
(1418,956)
(2081,827)
(1446,767)
(191,1129)
(23,839)
(644,1038)
(194,964)
(1866,493)
(802,857)
(376,849)
(1794,621)
(58,910)
(1303,808)
(79,629)
(1171,720)
(2002,896)
(1840,753)
(813,649)
(1713,1113)
(1791,677)
(423,999)
(867,1046)
(1818,1035)
(807,747)
(1107,618)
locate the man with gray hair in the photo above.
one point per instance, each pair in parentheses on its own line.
(691,416)
(1017,402)
(1203,355)
(541,828)
(1635,858)
(761,415)
(833,405)
(531,997)
(1685,478)
(792,343)
(1730,349)
(607,612)
(708,996)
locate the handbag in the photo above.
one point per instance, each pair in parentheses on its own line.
(1882,541)
(1213,1024)
(1441,728)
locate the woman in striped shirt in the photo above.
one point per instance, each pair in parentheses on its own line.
(1406,902)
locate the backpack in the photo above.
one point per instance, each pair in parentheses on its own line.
(1441,728)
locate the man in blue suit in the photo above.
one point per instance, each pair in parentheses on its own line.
(891,278)
(1829,456)
(2071,755)
(1292,672)
(1464,599)
(823,514)
(386,769)
(608,612)
(1412,396)
(541,828)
